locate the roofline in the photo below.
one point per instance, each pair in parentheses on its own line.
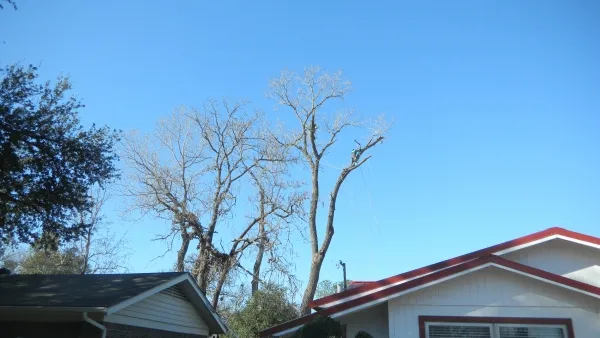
(202,296)
(116,307)
(184,277)
(434,278)
(54,308)
(501,248)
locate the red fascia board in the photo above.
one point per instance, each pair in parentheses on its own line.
(431,278)
(374,296)
(454,261)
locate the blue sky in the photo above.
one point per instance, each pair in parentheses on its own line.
(495,106)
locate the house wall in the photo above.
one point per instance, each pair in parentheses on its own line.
(562,257)
(27,329)
(128,331)
(373,321)
(492,292)
(168,310)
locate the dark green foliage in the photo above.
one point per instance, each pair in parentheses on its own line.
(48,161)
(363,334)
(268,307)
(10,2)
(320,327)
(64,261)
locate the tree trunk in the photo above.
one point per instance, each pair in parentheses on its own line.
(261,246)
(185,243)
(311,286)
(86,254)
(201,266)
(219,287)
(317,258)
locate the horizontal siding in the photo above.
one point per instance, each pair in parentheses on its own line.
(125,320)
(374,321)
(496,293)
(562,257)
(165,309)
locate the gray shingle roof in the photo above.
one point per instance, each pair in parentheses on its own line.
(77,290)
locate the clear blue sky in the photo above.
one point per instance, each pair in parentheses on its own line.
(496,105)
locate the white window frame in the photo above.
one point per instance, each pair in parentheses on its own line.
(495,327)
(489,325)
(498,326)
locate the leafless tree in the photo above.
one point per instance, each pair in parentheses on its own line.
(279,204)
(100,249)
(308,96)
(191,172)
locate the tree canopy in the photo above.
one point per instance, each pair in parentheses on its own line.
(327,287)
(49,160)
(268,307)
(64,261)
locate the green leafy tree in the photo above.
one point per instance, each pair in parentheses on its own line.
(321,327)
(363,334)
(48,161)
(268,307)
(327,287)
(39,261)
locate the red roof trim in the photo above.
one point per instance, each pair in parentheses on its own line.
(454,261)
(431,278)
(567,322)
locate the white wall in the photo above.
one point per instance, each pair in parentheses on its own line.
(562,257)
(373,321)
(496,293)
(167,310)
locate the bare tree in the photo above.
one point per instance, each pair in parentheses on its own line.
(307,96)
(191,173)
(100,249)
(279,204)
(165,178)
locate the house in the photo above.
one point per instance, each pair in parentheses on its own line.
(544,285)
(141,305)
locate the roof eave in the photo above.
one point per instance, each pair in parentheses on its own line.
(54,308)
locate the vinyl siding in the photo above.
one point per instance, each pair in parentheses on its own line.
(562,257)
(167,310)
(496,293)
(373,321)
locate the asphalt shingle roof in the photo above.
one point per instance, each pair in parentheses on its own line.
(77,290)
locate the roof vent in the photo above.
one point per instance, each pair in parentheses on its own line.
(4,271)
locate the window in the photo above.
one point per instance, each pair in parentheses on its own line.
(452,330)
(530,331)
(494,327)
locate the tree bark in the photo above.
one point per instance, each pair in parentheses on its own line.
(219,287)
(261,246)
(185,243)
(317,258)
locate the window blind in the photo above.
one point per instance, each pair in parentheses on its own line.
(459,331)
(530,332)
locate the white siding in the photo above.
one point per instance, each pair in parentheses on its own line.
(562,257)
(496,293)
(373,321)
(166,310)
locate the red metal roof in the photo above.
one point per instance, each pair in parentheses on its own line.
(318,303)
(431,278)
(441,270)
